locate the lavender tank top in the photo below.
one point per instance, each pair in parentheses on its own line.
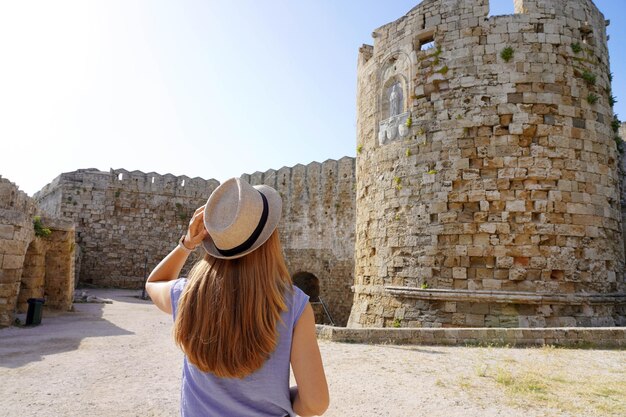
(264,393)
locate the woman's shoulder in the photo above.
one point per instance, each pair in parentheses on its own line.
(175,292)
(296,302)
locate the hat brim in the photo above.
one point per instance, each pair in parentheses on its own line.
(275,206)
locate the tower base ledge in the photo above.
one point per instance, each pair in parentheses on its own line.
(513,297)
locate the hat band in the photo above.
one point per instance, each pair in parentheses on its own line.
(253,237)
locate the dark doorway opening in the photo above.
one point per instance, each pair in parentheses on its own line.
(310,285)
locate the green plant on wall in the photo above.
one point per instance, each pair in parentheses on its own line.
(180,212)
(359,148)
(615,125)
(576,48)
(424,286)
(40,229)
(507,53)
(396,323)
(619,142)
(612,100)
(589,77)
(443,70)
(592,98)
(408,152)
(397,181)
(409,122)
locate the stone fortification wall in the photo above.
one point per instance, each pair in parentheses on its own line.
(31,266)
(487,183)
(123,217)
(126,222)
(622,177)
(317,228)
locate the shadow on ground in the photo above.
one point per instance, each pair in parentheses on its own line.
(58,332)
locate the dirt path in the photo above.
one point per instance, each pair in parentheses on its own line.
(118,360)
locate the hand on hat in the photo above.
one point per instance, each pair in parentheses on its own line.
(196,231)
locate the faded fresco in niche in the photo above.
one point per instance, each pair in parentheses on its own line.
(393,103)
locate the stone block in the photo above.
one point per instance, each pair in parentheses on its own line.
(516,206)
(12,247)
(459,273)
(475,320)
(12,261)
(517,274)
(6,231)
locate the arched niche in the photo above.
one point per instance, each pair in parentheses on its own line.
(393,97)
(308,283)
(32,281)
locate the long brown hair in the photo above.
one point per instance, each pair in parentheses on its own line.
(228,313)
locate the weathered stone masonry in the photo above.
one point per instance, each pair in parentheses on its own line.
(123,218)
(30,266)
(126,222)
(487,184)
(317,229)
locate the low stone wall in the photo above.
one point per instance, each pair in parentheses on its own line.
(576,337)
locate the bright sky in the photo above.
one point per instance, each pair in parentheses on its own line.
(202,88)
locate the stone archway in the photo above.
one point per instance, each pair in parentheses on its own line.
(33,274)
(308,283)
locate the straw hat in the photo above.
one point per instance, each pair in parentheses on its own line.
(240,218)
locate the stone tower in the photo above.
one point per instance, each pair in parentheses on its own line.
(487,182)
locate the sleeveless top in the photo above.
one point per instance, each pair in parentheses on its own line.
(265,392)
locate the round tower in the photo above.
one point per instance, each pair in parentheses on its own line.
(487,182)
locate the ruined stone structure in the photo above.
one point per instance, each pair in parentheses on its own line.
(126,222)
(31,266)
(487,190)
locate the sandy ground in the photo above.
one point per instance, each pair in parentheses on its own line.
(118,360)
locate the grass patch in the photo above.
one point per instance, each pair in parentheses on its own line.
(549,378)
(525,383)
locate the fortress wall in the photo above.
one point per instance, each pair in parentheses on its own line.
(484,179)
(622,177)
(124,217)
(126,222)
(317,228)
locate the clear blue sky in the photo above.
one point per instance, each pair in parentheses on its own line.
(197,87)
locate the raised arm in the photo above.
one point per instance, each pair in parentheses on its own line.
(310,397)
(160,280)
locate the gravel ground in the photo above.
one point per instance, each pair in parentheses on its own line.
(119,360)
